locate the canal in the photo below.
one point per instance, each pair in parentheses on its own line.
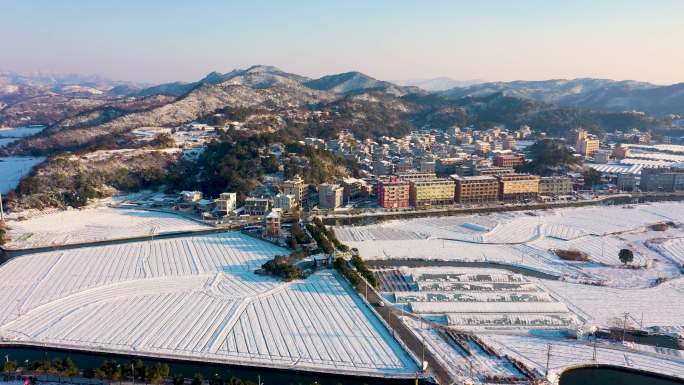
(87,360)
(614,376)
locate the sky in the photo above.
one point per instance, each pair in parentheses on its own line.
(159,41)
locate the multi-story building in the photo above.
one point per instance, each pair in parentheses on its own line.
(518,187)
(393,192)
(257,206)
(427,166)
(447,166)
(432,192)
(666,179)
(295,187)
(272,222)
(285,202)
(356,188)
(476,189)
(226,202)
(191,196)
(626,182)
(601,156)
(586,144)
(482,147)
(494,171)
(330,196)
(555,186)
(621,152)
(414,176)
(509,160)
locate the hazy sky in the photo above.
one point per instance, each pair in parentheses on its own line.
(156,41)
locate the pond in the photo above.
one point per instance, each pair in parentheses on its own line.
(604,375)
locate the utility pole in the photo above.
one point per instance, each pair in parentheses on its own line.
(2,212)
(595,357)
(624,327)
(548,358)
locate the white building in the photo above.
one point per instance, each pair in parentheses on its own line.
(226,202)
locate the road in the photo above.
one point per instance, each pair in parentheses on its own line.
(391,315)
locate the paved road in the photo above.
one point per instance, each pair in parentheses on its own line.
(401,331)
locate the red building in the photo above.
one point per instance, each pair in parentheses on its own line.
(393,192)
(508,160)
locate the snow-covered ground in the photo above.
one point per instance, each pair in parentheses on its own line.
(566,353)
(519,315)
(661,306)
(194,298)
(93,224)
(529,238)
(13,168)
(481,299)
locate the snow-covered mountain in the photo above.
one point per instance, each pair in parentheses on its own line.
(353,82)
(597,94)
(437,84)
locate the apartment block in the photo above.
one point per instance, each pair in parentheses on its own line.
(555,186)
(517,187)
(508,160)
(433,192)
(330,196)
(295,187)
(393,192)
(476,189)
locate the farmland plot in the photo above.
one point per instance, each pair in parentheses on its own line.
(94,224)
(194,298)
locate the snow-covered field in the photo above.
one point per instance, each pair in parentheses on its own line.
(13,168)
(662,305)
(482,299)
(566,353)
(194,298)
(93,224)
(529,238)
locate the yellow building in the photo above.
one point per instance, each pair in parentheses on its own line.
(476,189)
(585,143)
(517,187)
(431,192)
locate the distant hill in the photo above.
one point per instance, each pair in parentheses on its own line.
(437,84)
(597,94)
(354,82)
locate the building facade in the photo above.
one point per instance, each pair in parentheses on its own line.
(295,187)
(226,202)
(508,160)
(330,196)
(393,192)
(435,192)
(666,179)
(555,186)
(518,187)
(257,206)
(476,189)
(285,202)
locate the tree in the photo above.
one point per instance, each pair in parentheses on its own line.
(178,379)
(197,379)
(158,373)
(10,366)
(626,256)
